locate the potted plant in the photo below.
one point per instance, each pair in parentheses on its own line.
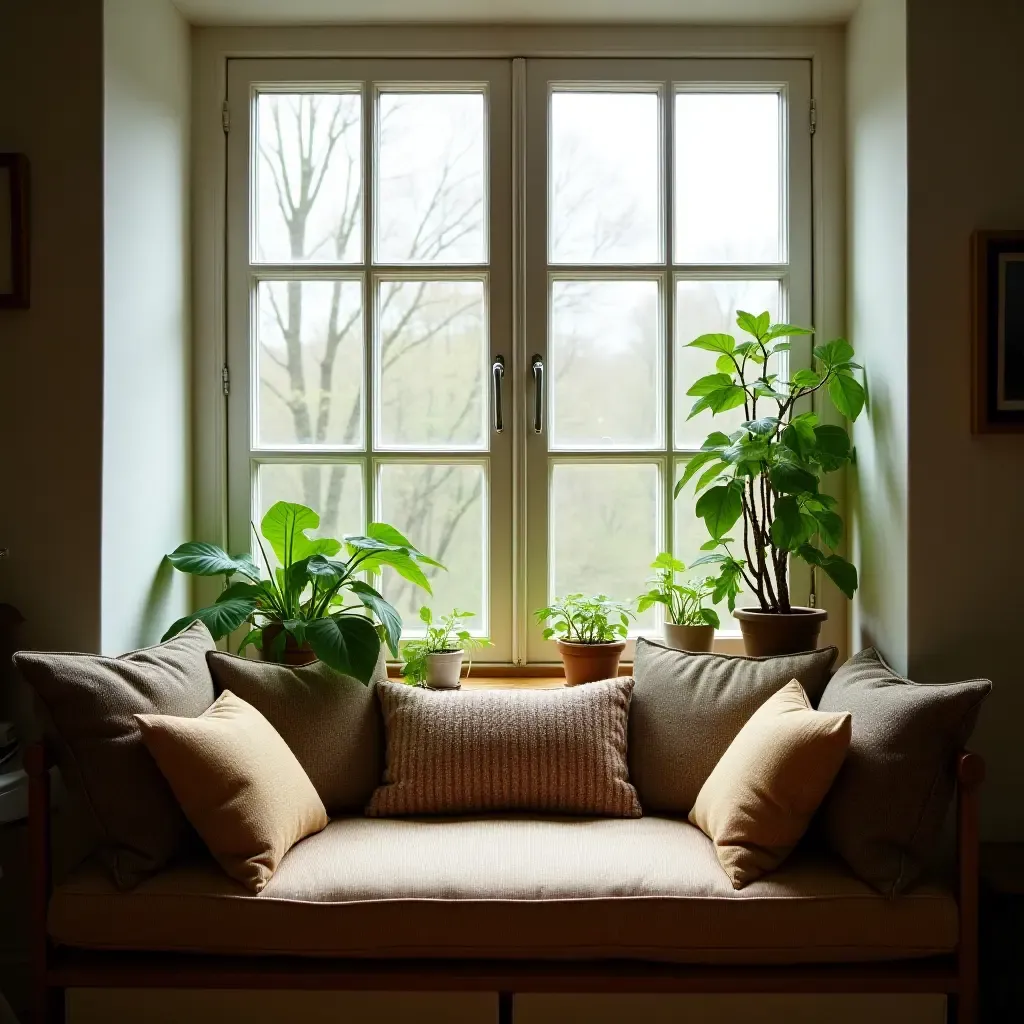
(767,474)
(589,633)
(313,605)
(689,626)
(435,660)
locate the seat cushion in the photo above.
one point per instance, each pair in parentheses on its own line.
(639,888)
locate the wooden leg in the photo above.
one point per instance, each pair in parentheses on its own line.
(963,1008)
(506,1007)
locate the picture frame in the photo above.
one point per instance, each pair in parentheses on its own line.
(14,231)
(998,332)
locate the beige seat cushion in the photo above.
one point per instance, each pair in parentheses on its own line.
(640,888)
(238,783)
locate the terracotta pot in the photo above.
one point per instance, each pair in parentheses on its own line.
(587,663)
(444,669)
(689,638)
(767,633)
(293,653)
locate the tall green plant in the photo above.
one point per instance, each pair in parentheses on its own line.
(768,472)
(311,596)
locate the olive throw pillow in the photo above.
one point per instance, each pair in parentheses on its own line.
(687,708)
(760,797)
(90,703)
(331,722)
(239,785)
(886,809)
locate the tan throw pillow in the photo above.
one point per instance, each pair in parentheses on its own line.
(90,703)
(687,708)
(331,722)
(760,797)
(238,783)
(562,751)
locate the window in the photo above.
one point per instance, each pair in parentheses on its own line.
(414,243)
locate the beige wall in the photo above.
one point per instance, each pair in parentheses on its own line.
(147,329)
(876,146)
(51,108)
(966,164)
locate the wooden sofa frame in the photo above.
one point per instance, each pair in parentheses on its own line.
(56,969)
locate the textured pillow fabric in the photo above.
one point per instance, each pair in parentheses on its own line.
(886,809)
(239,785)
(331,722)
(561,751)
(91,702)
(760,797)
(687,708)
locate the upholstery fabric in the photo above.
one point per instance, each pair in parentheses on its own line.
(561,751)
(760,798)
(886,809)
(90,703)
(687,708)
(238,783)
(641,888)
(331,722)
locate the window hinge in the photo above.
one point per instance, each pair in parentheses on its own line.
(225,380)
(813,120)
(225,117)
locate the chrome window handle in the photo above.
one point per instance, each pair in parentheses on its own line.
(538,383)
(497,376)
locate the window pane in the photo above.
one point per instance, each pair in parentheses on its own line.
(709,307)
(310,364)
(432,365)
(604,529)
(604,187)
(606,359)
(308,178)
(334,490)
(442,509)
(727,178)
(430,186)
(690,534)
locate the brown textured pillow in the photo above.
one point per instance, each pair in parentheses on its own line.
(238,783)
(91,703)
(331,722)
(687,708)
(559,750)
(886,809)
(759,799)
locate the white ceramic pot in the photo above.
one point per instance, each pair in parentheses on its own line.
(443,670)
(689,638)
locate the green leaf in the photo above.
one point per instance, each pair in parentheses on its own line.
(405,565)
(707,476)
(725,364)
(831,446)
(709,384)
(284,527)
(254,590)
(805,379)
(693,464)
(426,615)
(747,449)
(766,425)
(716,439)
(201,559)
(725,399)
(710,545)
(385,612)
(789,479)
(254,638)
(710,617)
(755,325)
(389,535)
(847,395)
(220,619)
(714,343)
(789,529)
(830,526)
(785,331)
(715,559)
(729,582)
(721,507)
(837,351)
(837,568)
(666,560)
(347,643)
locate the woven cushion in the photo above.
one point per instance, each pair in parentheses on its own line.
(90,702)
(886,809)
(331,722)
(238,783)
(759,799)
(489,750)
(687,709)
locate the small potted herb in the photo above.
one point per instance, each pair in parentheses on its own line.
(589,633)
(435,660)
(689,626)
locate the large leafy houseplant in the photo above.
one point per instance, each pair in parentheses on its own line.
(768,472)
(312,597)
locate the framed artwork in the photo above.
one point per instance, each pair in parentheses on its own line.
(14,257)
(998,271)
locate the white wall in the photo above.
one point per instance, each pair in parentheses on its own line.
(876,145)
(147,329)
